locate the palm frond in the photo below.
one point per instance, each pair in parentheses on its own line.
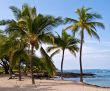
(69,20)
(5,22)
(49,64)
(73,50)
(95,34)
(16,12)
(50,48)
(98,24)
(46,38)
(54,53)
(18,55)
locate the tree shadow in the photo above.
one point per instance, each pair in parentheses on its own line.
(26,89)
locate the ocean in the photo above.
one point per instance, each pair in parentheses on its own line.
(102,77)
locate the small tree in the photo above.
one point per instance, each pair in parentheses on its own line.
(64,42)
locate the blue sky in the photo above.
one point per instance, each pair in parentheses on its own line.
(96,55)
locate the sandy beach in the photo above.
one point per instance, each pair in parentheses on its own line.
(45,85)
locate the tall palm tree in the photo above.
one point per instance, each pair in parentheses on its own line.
(64,42)
(86,22)
(33,27)
(37,27)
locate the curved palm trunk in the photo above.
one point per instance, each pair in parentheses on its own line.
(19,69)
(62,65)
(80,57)
(32,49)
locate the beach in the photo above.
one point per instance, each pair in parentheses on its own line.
(45,85)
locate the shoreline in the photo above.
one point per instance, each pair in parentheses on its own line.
(84,83)
(95,85)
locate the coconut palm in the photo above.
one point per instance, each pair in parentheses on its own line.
(20,54)
(8,48)
(86,22)
(33,27)
(3,59)
(37,27)
(64,42)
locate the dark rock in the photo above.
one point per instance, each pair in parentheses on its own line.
(70,74)
(41,75)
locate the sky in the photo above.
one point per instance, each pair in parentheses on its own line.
(96,55)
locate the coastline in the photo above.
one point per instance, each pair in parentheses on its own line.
(95,85)
(46,85)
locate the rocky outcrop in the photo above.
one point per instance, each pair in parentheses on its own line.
(70,74)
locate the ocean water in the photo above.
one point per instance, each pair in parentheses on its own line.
(102,77)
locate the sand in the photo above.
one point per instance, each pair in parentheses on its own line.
(45,85)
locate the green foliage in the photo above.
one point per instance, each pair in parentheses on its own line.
(87,21)
(29,28)
(1,70)
(66,41)
(50,67)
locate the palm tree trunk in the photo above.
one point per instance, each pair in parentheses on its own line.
(31,66)
(19,69)
(80,57)
(6,70)
(10,72)
(62,65)
(10,69)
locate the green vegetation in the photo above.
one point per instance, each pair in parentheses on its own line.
(1,70)
(64,42)
(26,33)
(86,22)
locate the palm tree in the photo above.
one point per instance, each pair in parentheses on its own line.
(20,54)
(87,21)
(37,27)
(64,42)
(8,48)
(32,26)
(4,59)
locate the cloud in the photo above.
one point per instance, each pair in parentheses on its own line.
(95,56)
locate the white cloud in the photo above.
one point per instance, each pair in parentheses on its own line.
(95,55)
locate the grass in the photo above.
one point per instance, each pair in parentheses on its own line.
(1,70)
